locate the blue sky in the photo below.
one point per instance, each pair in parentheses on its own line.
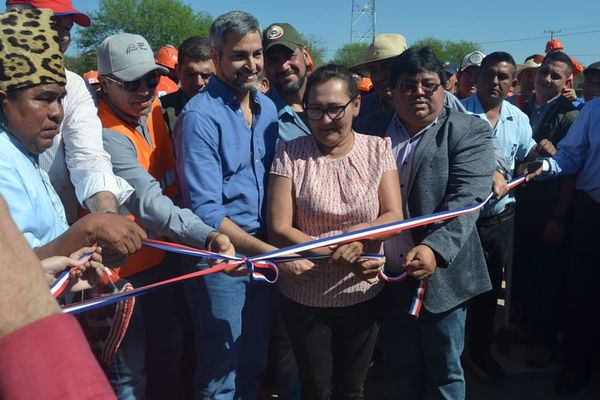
(520,25)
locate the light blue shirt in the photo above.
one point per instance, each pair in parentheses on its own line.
(221,162)
(291,126)
(579,152)
(514,141)
(32,201)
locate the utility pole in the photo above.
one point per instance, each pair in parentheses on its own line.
(362,29)
(552,32)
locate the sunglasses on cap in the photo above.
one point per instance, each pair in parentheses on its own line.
(151,80)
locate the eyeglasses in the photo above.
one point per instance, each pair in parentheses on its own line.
(150,79)
(410,88)
(335,112)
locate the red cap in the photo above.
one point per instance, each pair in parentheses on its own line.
(167,56)
(59,7)
(554,45)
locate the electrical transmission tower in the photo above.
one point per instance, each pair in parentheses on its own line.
(362,29)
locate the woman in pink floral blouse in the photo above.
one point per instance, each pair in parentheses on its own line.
(334,181)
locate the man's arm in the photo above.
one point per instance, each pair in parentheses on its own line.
(114,233)
(89,165)
(155,211)
(40,347)
(470,175)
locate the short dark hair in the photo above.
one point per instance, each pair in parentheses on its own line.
(415,60)
(237,23)
(498,57)
(559,56)
(328,72)
(196,48)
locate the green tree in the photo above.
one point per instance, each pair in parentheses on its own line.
(316,48)
(350,54)
(159,21)
(448,50)
(81,63)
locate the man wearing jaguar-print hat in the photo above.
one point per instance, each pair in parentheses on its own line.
(32,87)
(79,168)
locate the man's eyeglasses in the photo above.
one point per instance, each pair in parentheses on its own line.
(150,79)
(410,88)
(335,113)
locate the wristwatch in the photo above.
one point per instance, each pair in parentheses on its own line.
(502,172)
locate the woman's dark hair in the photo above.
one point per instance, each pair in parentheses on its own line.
(328,72)
(416,60)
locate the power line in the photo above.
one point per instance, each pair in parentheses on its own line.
(552,32)
(539,37)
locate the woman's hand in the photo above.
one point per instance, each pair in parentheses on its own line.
(368,269)
(298,271)
(346,254)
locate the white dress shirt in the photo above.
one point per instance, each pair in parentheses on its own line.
(76,163)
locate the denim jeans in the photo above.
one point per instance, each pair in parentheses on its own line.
(146,364)
(232,321)
(423,355)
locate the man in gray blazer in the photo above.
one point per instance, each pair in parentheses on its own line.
(445,161)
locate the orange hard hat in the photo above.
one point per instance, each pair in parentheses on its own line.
(91,77)
(554,45)
(365,84)
(167,56)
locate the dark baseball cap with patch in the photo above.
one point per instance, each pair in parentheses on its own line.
(281,33)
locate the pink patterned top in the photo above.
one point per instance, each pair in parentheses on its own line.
(331,195)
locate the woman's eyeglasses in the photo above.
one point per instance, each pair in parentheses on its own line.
(335,112)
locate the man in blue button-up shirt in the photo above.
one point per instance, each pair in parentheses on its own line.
(579,153)
(496,223)
(225,140)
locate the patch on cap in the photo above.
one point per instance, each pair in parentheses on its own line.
(275,32)
(476,58)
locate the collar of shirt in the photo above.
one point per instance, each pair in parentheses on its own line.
(225,92)
(397,128)
(476,109)
(21,147)
(286,114)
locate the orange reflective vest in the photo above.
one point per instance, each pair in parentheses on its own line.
(156,158)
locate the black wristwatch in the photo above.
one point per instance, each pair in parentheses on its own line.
(502,172)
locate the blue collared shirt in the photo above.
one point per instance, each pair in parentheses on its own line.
(32,201)
(579,151)
(514,139)
(223,163)
(291,125)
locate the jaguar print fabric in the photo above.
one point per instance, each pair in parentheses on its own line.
(29,50)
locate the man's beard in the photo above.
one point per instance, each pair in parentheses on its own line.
(292,88)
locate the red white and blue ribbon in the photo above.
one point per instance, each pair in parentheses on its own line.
(267,261)
(62,281)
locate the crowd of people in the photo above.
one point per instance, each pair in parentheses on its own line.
(237,144)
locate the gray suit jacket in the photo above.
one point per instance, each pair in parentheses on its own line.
(452,168)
